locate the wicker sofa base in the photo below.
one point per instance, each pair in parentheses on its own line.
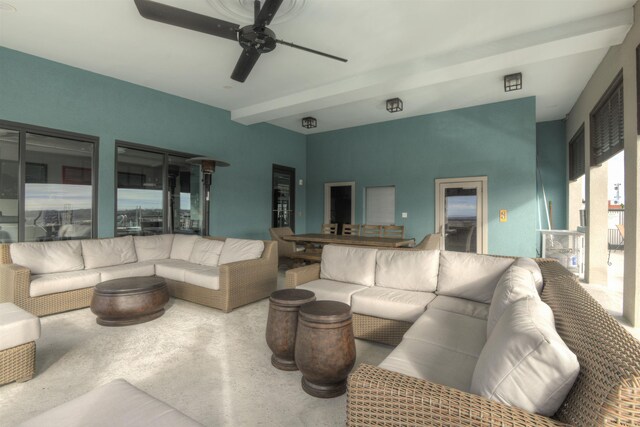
(18,363)
(385,331)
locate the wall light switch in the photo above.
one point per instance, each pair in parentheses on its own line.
(405,215)
(503,215)
(300,182)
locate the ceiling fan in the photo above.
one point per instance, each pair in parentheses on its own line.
(255,39)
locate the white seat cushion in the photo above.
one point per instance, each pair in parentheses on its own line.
(408,270)
(456,332)
(48,257)
(116,404)
(470,276)
(525,363)
(176,269)
(431,362)
(348,264)
(533,268)
(136,269)
(153,247)
(516,283)
(107,252)
(206,252)
(389,303)
(332,290)
(235,250)
(45,284)
(208,277)
(461,306)
(182,246)
(17,326)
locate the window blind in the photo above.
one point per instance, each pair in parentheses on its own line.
(607,124)
(576,155)
(380,205)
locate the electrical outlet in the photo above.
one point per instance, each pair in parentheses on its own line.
(503,215)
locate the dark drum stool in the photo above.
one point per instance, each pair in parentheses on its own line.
(128,301)
(282,324)
(325,348)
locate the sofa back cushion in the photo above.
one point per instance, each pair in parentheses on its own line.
(515,284)
(48,257)
(183,246)
(525,363)
(206,252)
(235,250)
(349,264)
(153,247)
(470,276)
(407,270)
(533,268)
(107,252)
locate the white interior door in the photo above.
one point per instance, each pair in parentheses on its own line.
(461,213)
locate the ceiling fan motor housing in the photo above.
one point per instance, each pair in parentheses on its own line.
(261,39)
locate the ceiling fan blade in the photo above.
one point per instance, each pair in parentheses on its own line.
(185,19)
(247,60)
(268,11)
(306,49)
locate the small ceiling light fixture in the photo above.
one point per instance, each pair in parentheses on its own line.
(309,122)
(513,82)
(394,105)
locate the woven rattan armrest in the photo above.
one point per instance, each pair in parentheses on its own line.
(298,276)
(14,282)
(380,397)
(245,273)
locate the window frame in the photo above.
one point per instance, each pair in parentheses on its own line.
(615,85)
(23,129)
(576,139)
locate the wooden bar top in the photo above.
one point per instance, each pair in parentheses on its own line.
(390,242)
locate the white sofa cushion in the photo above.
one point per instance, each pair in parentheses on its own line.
(136,269)
(175,269)
(206,251)
(533,268)
(395,304)
(470,276)
(516,283)
(45,284)
(117,403)
(348,264)
(208,277)
(153,247)
(108,252)
(17,326)
(182,246)
(332,290)
(525,363)
(48,257)
(235,250)
(461,306)
(408,270)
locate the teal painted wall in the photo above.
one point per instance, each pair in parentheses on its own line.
(497,140)
(44,93)
(552,163)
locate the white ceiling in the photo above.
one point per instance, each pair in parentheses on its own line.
(435,55)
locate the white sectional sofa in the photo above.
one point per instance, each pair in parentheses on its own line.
(51,277)
(474,323)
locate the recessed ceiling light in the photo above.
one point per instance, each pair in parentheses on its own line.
(6,7)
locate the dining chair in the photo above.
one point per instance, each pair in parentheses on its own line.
(371,230)
(350,229)
(430,242)
(286,250)
(396,231)
(329,228)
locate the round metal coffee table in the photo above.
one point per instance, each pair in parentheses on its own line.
(129,301)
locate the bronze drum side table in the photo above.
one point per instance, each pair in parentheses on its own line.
(282,324)
(325,349)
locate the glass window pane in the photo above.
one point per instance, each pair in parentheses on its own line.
(184,196)
(140,203)
(461,219)
(8,185)
(58,188)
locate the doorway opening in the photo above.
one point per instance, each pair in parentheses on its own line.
(461,213)
(283,197)
(339,203)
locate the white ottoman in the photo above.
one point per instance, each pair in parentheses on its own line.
(18,331)
(114,404)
